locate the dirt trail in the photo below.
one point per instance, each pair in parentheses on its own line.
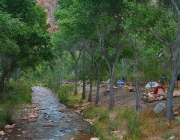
(51,124)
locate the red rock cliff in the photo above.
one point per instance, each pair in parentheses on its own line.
(50,6)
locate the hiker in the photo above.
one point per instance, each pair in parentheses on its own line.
(163,79)
(121,82)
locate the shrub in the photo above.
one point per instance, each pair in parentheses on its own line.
(16,94)
(64,92)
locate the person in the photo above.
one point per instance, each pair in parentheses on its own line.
(121,81)
(163,79)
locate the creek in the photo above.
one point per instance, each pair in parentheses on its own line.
(51,124)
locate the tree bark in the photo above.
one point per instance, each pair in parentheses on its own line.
(2,83)
(133,44)
(84,79)
(91,80)
(98,84)
(76,78)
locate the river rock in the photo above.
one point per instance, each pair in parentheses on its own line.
(94,139)
(2,133)
(176,113)
(78,112)
(9,126)
(160,107)
(48,124)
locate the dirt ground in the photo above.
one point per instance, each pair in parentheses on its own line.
(123,97)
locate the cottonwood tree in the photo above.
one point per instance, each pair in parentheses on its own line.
(173,47)
(166,30)
(27,40)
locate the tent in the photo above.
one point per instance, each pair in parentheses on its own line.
(151,85)
(159,90)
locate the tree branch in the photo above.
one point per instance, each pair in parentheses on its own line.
(175,6)
(159,39)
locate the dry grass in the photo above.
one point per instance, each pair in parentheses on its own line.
(157,125)
(104,85)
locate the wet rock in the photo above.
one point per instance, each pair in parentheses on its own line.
(33,116)
(23,132)
(78,112)
(32,120)
(48,124)
(70,115)
(36,109)
(81,130)
(63,110)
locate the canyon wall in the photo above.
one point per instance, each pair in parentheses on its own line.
(50,6)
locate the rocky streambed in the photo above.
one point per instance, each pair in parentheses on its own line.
(45,120)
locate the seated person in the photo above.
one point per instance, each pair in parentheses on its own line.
(121,81)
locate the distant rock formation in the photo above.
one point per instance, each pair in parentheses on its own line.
(50,6)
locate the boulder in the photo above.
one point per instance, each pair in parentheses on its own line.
(161,98)
(2,133)
(160,107)
(176,113)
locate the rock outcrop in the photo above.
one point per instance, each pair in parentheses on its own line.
(50,6)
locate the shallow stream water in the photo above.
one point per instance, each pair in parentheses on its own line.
(51,124)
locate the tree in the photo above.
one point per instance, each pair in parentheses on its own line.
(28,38)
(173,46)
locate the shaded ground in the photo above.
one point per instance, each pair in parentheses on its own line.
(50,124)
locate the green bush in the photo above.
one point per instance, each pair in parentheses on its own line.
(64,92)
(16,94)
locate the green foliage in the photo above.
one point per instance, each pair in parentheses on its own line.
(167,135)
(64,93)
(6,113)
(103,125)
(16,94)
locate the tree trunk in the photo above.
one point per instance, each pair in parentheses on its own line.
(76,78)
(98,84)
(84,79)
(62,73)
(111,102)
(136,80)
(169,99)
(91,81)
(2,83)
(133,44)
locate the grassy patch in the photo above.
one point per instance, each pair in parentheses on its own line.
(16,94)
